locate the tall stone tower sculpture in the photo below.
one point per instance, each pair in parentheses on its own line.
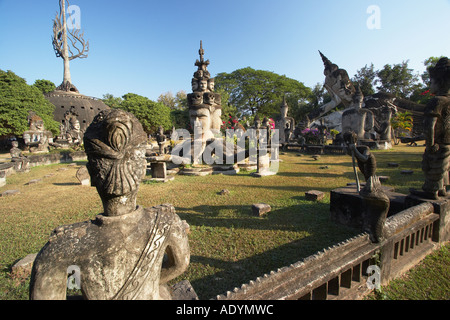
(205,108)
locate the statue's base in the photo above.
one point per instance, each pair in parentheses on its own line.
(377,145)
(346,205)
(265,173)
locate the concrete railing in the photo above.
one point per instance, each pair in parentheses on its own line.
(342,271)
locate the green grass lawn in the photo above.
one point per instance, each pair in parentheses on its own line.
(228,245)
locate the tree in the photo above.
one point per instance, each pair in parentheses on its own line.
(257,91)
(111,101)
(398,80)
(177,102)
(78,47)
(45,86)
(151,114)
(365,78)
(17,98)
(401,122)
(430,62)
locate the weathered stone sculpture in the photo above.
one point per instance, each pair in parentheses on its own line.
(285,124)
(21,162)
(128,252)
(161,140)
(382,105)
(205,110)
(359,120)
(71,134)
(375,202)
(37,139)
(436,159)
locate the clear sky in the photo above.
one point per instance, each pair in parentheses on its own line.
(149,47)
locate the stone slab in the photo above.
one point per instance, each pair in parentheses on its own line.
(34,181)
(260,209)
(314,195)
(23,267)
(8,193)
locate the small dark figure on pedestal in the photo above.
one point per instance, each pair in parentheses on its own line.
(375,201)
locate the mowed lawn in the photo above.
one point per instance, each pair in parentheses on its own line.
(229,246)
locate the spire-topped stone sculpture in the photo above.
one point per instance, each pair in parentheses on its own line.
(128,252)
(205,107)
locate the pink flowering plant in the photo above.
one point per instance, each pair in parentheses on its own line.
(312,136)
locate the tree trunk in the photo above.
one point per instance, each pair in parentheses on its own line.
(67,77)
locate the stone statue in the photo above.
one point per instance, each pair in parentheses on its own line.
(375,202)
(359,120)
(338,85)
(128,252)
(343,92)
(21,162)
(161,139)
(71,134)
(205,110)
(37,139)
(267,127)
(285,124)
(436,159)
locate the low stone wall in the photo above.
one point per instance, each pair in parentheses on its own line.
(342,272)
(63,157)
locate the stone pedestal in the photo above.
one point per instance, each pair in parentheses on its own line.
(226,169)
(197,171)
(346,205)
(158,166)
(263,167)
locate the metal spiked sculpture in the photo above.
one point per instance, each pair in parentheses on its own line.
(68,45)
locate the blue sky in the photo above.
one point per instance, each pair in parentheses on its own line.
(150,47)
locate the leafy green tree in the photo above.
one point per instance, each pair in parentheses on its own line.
(422,93)
(151,114)
(401,123)
(257,91)
(17,98)
(180,118)
(45,86)
(177,102)
(430,62)
(398,80)
(366,77)
(111,101)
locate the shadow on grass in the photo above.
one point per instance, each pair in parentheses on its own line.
(310,222)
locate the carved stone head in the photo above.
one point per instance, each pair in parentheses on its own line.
(194,85)
(211,84)
(196,99)
(440,77)
(203,83)
(115,146)
(209,98)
